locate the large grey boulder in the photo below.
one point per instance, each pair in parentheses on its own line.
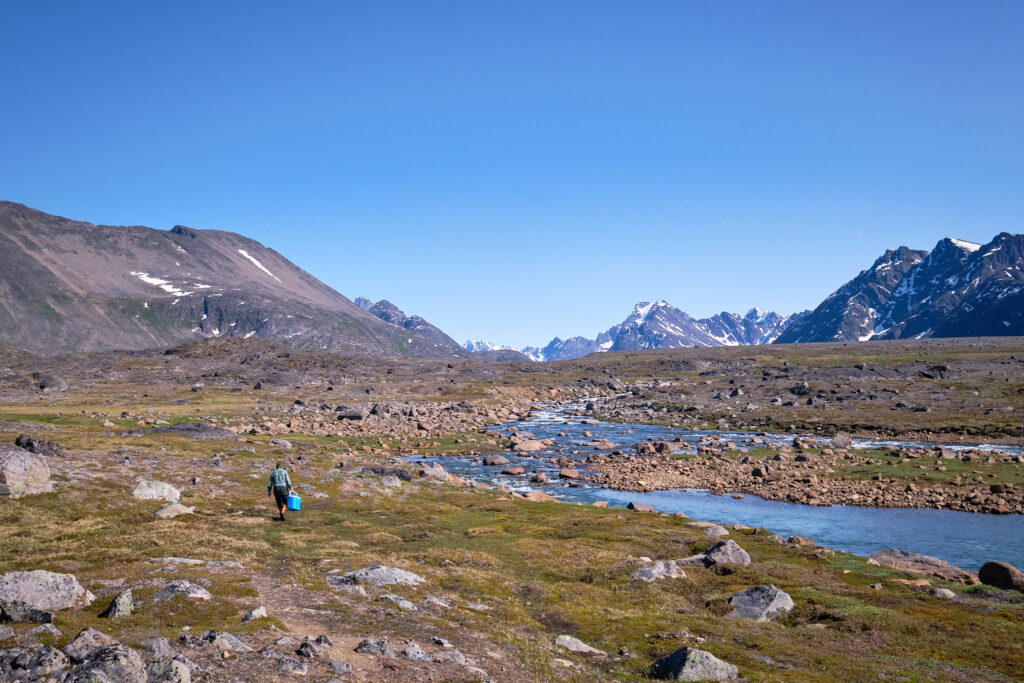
(43,590)
(156,490)
(662,569)
(21,613)
(726,552)
(760,603)
(111,664)
(689,664)
(377,648)
(182,587)
(378,575)
(22,473)
(85,642)
(46,663)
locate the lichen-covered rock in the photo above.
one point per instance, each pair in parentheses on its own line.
(726,552)
(760,603)
(43,590)
(168,671)
(110,664)
(22,473)
(21,613)
(661,569)
(85,642)
(184,588)
(690,664)
(121,606)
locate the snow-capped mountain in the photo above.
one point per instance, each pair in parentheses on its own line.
(660,325)
(958,289)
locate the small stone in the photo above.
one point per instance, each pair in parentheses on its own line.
(258,613)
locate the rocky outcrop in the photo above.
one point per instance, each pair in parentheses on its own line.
(22,473)
(916,563)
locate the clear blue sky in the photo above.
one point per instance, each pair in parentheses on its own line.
(513,171)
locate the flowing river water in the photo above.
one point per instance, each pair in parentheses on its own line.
(964,539)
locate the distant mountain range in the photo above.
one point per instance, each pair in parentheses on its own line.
(959,289)
(72,286)
(660,325)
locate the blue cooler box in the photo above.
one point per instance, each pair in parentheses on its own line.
(294,502)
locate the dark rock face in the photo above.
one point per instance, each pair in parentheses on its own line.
(73,286)
(389,313)
(959,289)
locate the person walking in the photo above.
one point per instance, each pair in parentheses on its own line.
(280,485)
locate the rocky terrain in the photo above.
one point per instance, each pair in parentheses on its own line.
(72,286)
(138,543)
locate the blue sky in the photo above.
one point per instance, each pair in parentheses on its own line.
(513,171)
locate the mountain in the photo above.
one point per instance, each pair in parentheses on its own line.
(958,289)
(662,326)
(389,313)
(72,286)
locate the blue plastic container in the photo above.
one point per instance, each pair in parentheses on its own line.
(294,502)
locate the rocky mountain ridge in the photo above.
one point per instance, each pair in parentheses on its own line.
(959,289)
(72,286)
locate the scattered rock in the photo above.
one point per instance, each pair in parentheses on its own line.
(39,446)
(689,664)
(540,497)
(377,648)
(22,473)
(159,647)
(258,613)
(412,651)
(156,490)
(172,510)
(495,460)
(761,603)
(726,552)
(398,600)
(184,588)
(121,606)
(341,667)
(378,575)
(44,629)
(944,593)
(280,443)
(659,570)
(222,640)
(640,507)
(578,646)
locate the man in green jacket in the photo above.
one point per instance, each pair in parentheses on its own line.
(280,484)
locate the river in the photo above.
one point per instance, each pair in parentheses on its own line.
(964,539)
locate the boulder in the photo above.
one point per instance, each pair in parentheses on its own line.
(726,552)
(528,446)
(43,590)
(280,443)
(22,473)
(842,440)
(172,510)
(917,563)
(662,569)
(378,575)
(540,497)
(156,490)
(434,472)
(1002,575)
(21,613)
(86,641)
(39,446)
(168,671)
(640,507)
(159,647)
(121,606)
(761,603)
(690,664)
(578,646)
(513,471)
(495,460)
(185,588)
(223,641)
(378,648)
(46,663)
(110,664)
(258,613)
(568,473)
